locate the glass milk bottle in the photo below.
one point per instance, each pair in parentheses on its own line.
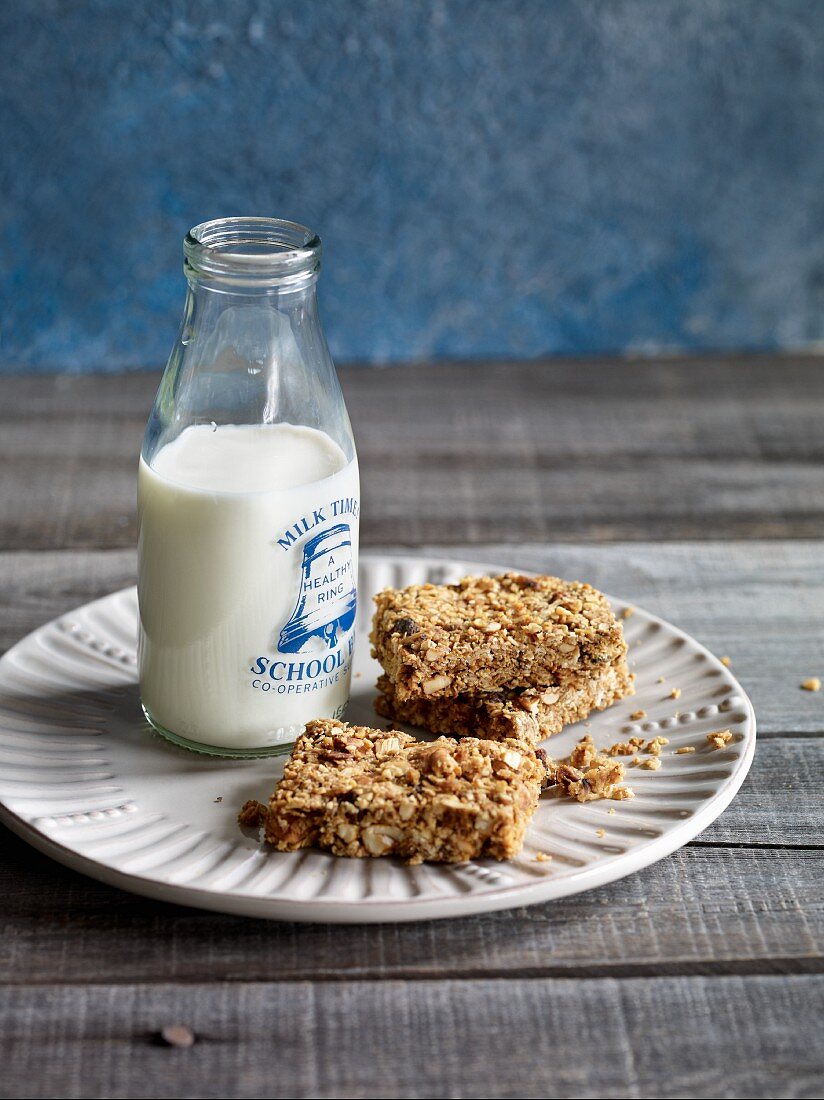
(248,503)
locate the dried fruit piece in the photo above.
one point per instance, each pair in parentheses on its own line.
(405,627)
(252,814)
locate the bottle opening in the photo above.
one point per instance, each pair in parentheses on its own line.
(252,250)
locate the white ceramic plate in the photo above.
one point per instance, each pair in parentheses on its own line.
(84,779)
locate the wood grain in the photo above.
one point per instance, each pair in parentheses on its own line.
(692,488)
(665,1037)
(701,911)
(473,452)
(760,603)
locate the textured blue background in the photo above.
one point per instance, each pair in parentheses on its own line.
(488,176)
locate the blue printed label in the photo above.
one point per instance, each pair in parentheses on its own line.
(315,644)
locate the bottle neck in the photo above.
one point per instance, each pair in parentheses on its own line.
(251,307)
(249,257)
(267,332)
(251,349)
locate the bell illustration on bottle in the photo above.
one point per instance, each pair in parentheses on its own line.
(328,600)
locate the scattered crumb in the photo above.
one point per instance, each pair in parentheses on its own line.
(611,810)
(358,675)
(675,693)
(625,748)
(662,679)
(622,793)
(219,798)
(542,857)
(601,832)
(588,774)
(638,714)
(654,746)
(177,1036)
(584,755)
(719,738)
(811,684)
(252,814)
(684,749)
(636,744)
(628,612)
(601,781)
(726,662)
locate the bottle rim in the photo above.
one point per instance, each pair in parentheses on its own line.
(254,250)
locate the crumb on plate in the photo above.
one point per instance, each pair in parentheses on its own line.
(587,774)
(654,745)
(719,739)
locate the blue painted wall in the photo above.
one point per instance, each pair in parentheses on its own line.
(489,176)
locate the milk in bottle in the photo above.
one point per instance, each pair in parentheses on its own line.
(248,500)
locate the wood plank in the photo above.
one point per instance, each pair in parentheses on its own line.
(760,603)
(36,587)
(668,1037)
(778,806)
(473,452)
(700,911)
(780,802)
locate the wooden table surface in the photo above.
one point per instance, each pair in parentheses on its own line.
(692,488)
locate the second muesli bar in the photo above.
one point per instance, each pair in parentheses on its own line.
(526,713)
(487,634)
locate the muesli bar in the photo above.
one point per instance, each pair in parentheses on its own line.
(529,714)
(485,634)
(364,792)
